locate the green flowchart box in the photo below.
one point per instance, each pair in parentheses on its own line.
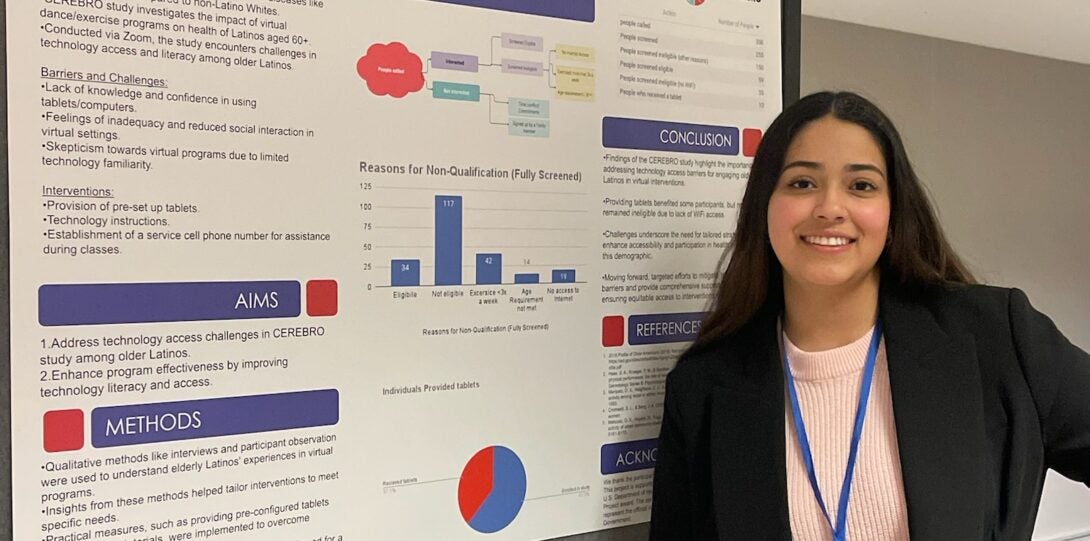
(455,91)
(528,127)
(528,108)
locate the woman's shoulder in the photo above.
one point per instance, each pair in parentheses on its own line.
(973,308)
(710,362)
(701,361)
(961,299)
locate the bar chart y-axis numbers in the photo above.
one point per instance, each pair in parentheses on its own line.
(367,247)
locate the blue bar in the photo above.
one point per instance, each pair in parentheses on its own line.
(576,10)
(405,272)
(448,240)
(631,133)
(193,419)
(628,456)
(563,276)
(663,328)
(527,278)
(489,269)
(104,304)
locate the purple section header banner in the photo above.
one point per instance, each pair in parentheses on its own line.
(192,419)
(663,328)
(104,304)
(632,133)
(576,10)
(628,456)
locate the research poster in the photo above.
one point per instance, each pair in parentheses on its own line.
(369,270)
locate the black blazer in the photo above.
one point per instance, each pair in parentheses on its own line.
(987,394)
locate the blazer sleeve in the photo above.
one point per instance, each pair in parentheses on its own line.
(1058,374)
(671,502)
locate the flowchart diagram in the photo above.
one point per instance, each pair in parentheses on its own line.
(391,69)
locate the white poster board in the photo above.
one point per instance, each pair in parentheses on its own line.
(316,269)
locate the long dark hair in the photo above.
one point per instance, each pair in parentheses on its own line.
(917,255)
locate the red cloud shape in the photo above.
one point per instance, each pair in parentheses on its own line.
(391,69)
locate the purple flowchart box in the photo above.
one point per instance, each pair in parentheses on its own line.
(453,61)
(520,41)
(522,67)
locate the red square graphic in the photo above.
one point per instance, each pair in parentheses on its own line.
(322,298)
(751,139)
(612,331)
(62,430)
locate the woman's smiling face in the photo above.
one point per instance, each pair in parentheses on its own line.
(828,217)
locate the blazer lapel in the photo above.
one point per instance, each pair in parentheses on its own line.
(748,461)
(938,408)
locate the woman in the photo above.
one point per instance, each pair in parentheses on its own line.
(851,381)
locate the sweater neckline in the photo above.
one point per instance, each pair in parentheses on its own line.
(828,364)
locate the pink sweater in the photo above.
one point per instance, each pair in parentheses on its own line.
(828,384)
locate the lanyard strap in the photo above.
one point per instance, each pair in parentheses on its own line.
(840,531)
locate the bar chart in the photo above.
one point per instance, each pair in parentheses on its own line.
(482,239)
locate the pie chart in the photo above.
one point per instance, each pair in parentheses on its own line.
(492,489)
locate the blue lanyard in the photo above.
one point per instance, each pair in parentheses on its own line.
(840,531)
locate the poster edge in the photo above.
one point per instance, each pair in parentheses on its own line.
(791,50)
(6,516)
(790,32)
